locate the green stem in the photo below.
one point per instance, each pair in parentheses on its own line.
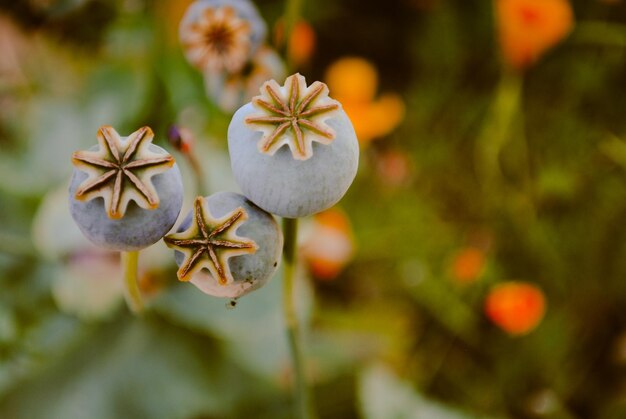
(496,132)
(303,404)
(505,128)
(132,293)
(292,15)
(302,397)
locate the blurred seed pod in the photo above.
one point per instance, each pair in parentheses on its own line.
(221,35)
(229,91)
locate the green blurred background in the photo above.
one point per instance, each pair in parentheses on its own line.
(399,329)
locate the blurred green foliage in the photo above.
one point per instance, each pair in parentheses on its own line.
(394,336)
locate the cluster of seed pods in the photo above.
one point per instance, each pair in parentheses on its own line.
(225,41)
(293,153)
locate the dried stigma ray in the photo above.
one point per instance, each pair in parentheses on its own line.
(218,40)
(293,114)
(209,242)
(121,170)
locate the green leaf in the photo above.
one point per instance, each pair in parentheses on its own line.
(253,332)
(383,395)
(135,368)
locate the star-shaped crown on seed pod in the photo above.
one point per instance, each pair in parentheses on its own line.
(121,170)
(218,40)
(210,242)
(293,114)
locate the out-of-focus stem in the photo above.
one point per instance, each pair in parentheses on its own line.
(292,15)
(505,125)
(198,173)
(131,286)
(496,132)
(303,406)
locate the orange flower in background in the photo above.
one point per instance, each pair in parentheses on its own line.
(467,265)
(301,43)
(329,244)
(352,78)
(394,167)
(528,28)
(354,82)
(516,307)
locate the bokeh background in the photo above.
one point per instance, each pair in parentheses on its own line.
(476,268)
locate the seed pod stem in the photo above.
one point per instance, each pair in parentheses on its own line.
(303,405)
(131,286)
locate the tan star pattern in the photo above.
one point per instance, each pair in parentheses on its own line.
(120,171)
(218,40)
(210,242)
(293,114)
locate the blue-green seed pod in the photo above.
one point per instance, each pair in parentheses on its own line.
(226,246)
(293,149)
(126,193)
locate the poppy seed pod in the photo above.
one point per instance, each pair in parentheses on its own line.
(126,193)
(293,149)
(221,35)
(231,91)
(226,246)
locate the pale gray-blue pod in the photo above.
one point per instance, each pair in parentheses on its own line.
(245,9)
(139,228)
(249,271)
(288,187)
